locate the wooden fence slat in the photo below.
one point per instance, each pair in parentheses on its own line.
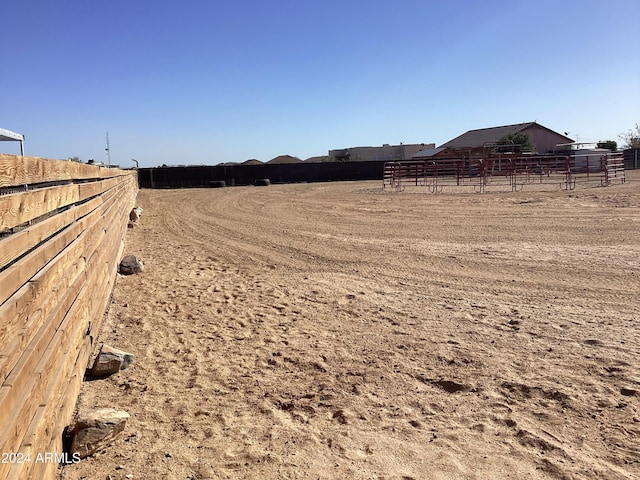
(51,419)
(54,279)
(91,189)
(39,381)
(13,278)
(58,402)
(38,367)
(15,348)
(24,368)
(19,311)
(17,244)
(16,170)
(19,208)
(111,249)
(21,471)
(59,270)
(97,282)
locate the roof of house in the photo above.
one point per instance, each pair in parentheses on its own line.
(428,152)
(285,159)
(317,159)
(483,136)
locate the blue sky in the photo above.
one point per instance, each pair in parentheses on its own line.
(204,82)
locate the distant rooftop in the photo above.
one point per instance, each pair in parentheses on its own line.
(285,159)
(477,138)
(485,136)
(428,152)
(252,161)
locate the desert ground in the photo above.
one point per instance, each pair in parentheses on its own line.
(342,331)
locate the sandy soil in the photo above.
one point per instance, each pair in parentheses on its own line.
(337,331)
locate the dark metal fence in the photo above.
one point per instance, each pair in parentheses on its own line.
(632,158)
(206,176)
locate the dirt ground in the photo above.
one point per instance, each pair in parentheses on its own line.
(339,331)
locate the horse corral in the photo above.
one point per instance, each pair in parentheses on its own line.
(506,172)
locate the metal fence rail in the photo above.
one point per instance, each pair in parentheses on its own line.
(506,172)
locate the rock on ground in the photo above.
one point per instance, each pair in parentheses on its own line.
(95,429)
(130,265)
(110,360)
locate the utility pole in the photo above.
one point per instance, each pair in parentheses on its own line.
(108,151)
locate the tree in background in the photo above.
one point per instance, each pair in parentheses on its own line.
(609,145)
(515,142)
(74,159)
(631,137)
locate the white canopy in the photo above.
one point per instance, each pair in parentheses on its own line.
(9,136)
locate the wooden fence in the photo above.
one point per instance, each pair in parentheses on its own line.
(62,227)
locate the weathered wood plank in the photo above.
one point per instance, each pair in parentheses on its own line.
(91,189)
(70,335)
(19,376)
(21,471)
(12,279)
(82,207)
(29,305)
(58,414)
(109,259)
(57,407)
(70,398)
(15,349)
(47,288)
(17,244)
(19,308)
(17,170)
(19,208)
(48,470)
